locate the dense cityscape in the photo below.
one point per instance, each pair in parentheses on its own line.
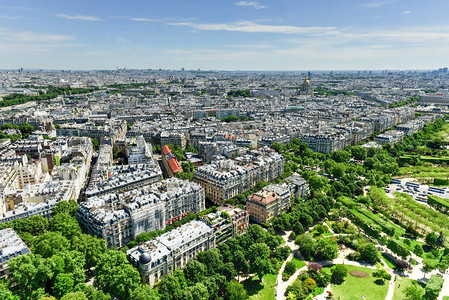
(157,184)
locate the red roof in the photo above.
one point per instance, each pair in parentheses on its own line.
(166,149)
(174,165)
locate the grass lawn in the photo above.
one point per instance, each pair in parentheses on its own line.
(389,262)
(354,287)
(258,290)
(299,263)
(401,284)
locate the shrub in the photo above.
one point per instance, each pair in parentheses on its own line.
(433,287)
(338,274)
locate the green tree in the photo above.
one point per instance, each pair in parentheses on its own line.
(50,243)
(30,274)
(90,292)
(431,239)
(68,207)
(369,254)
(6,294)
(170,288)
(115,275)
(195,271)
(240,263)
(75,296)
(63,285)
(92,247)
(326,248)
(261,267)
(65,224)
(341,156)
(144,292)
(95,144)
(413,292)
(338,274)
(258,250)
(212,258)
(235,291)
(382,274)
(306,245)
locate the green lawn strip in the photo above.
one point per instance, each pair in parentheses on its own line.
(389,261)
(401,284)
(410,247)
(355,287)
(258,290)
(299,263)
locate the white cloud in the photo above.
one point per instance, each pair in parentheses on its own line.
(78,17)
(249,26)
(376,4)
(143,20)
(31,36)
(406,12)
(254,4)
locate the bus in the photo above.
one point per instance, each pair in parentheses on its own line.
(413,185)
(395,181)
(436,190)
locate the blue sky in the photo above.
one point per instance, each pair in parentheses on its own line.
(224,35)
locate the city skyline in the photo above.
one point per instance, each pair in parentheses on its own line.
(225,35)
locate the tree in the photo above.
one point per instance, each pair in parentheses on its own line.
(6,294)
(369,254)
(430,264)
(239,261)
(413,292)
(403,265)
(212,258)
(441,240)
(283,252)
(418,250)
(327,249)
(306,245)
(338,274)
(262,266)
(30,274)
(75,296)
(228,270)
(95,144)
(382,274)
(90,292)
(338,170)
(144,292)
(195,271)
(258,250)
(341,156)
(235,291)
(115,275)
(65,224)
(170,288)
(50,243)
(316,267)
(431,239)
(68,207)
(92,247)
(34,225)
(63,285)
(298,228)
(290,267)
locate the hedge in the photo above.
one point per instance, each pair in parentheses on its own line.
(346,202)
(433,287)
(364,222)
(397,248)
(385,225)
(438,203)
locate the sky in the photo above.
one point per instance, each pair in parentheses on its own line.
(224,35)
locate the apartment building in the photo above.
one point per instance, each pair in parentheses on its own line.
(119,218)
(268,203)
(171,164)
(173,250)
(225,179)
(11,246)
(390,137)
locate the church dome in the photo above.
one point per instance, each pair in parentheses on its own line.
(145,258)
